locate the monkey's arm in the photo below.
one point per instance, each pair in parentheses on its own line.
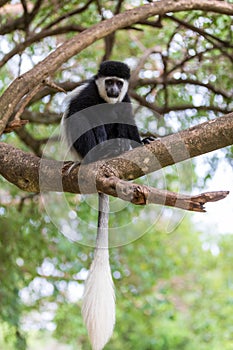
(89,144)
(133,133)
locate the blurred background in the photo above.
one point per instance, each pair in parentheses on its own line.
(172,270)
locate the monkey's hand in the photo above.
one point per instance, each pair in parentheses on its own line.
(148,140)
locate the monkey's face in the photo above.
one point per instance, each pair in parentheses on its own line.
(112,89)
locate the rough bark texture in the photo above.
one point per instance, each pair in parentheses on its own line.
(28,81)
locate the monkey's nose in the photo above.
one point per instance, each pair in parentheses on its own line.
(113,92)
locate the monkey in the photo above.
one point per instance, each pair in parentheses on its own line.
(95,131)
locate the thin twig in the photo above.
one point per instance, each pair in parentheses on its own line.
(15,124)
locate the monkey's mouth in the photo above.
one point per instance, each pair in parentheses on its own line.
(113,94)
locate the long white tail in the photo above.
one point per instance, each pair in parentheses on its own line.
(98,308)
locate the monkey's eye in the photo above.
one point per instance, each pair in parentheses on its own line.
(119,84)
(109,82)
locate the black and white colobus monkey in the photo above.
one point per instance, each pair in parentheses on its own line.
(94,133)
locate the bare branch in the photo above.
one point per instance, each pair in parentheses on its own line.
(26,100)
(15,124)
(3,2)
(142,195)
(143,58)
(118,7)
(24,5)
(33,144)
(208,36)
(38,37)
(46,118)
(69,14)
(19,23)
(49,82)
(173,81)
(154,24)
(166,109)
(67,86)
(145,103)
(215,41)
(109,42)
(188,58)
(35,9)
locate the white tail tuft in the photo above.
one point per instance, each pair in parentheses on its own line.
(98,308)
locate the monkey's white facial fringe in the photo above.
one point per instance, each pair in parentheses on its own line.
(98,308)
(100,82)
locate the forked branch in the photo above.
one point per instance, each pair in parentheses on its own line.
(142,195)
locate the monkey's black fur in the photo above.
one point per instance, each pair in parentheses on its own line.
(93,126)
(114,68)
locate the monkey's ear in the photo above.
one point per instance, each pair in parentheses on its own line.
(148,140)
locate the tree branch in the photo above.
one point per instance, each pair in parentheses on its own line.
(31,142)
(46,118)
(142,195)
(215,41)
(182,107)
(67,86)
(69,14)
(38,37)
(173,81)
(23,84)
(34,174)
(3,2)
(14,125)
(19,23)
(207,36)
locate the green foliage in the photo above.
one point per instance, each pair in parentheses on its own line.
(168,286)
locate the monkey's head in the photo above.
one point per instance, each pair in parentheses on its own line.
(112,81)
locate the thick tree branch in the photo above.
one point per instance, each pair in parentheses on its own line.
(34,174)
(21,86)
